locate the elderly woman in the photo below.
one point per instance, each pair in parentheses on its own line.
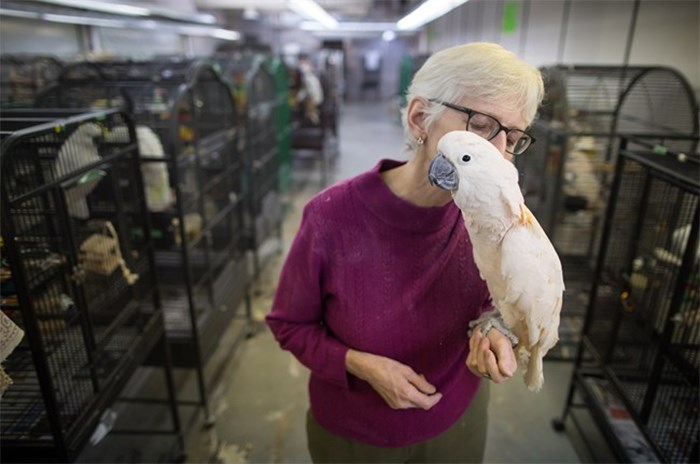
(379,288)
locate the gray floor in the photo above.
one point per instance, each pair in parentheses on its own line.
(259,403)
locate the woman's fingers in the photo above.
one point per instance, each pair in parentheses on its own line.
(491,357)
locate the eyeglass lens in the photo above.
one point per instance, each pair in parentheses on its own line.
(488,127)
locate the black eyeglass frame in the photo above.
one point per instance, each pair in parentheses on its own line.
(470,112)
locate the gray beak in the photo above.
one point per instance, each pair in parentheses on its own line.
(442,173)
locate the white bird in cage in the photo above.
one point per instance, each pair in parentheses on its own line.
(77,151)
(156,180)
(580,175)
(512,252)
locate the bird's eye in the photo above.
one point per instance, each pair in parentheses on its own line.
(466,158)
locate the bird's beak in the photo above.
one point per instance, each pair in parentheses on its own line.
(442,173)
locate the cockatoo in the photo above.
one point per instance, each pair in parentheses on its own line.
(156,180)
(513,254)
(77,151)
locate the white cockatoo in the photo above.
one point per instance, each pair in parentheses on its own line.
(77,151)
(512,252)
(156,180)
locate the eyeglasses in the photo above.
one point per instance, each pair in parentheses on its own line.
(517,141)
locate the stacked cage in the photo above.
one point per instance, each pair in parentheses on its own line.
(331,64)
(23,76)
(283,126)
(408,67)
(566,175)
(194,173)
(79,278)
(637,369)
(313,125)
(257,99)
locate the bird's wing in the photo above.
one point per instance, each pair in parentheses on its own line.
(512,197)
(534,281)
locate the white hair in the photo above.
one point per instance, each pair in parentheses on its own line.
(480,71)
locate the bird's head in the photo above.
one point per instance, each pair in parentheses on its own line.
(475,171)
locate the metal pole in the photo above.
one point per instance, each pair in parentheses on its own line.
(563,31)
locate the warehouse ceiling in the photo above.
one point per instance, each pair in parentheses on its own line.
(217,17)
(341,10)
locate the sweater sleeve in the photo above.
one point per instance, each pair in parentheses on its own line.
(296,318)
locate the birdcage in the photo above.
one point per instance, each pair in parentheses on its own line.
(23,76)
(78,278)
(283,128)
(187,129)
(256,91)
(566,174)
(639,363)
(331,62)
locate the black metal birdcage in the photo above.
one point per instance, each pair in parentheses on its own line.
(637,369)
(283,129)
(23,76)
(79,278)
(194,174)
(256,94)
(566,175)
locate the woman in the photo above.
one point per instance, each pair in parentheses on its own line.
(379,289)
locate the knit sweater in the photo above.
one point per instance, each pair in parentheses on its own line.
(368,270)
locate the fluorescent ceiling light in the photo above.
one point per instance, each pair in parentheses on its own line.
(388,36)
(312,10)
(135,10)
(350,26)
(104,7)
(426,12)
(205,31)
(84,20)
(225,34)
(20,14)
(251,14)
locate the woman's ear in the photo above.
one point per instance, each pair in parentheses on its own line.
(415,117)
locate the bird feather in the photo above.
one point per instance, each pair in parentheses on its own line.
(511,250)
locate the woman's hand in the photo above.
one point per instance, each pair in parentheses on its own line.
(399,385)
(491,357)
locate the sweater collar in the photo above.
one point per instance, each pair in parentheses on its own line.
(395,211)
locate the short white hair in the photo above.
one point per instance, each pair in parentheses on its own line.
(481,71)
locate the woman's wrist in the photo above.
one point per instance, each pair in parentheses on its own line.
(493,320)
(354,363)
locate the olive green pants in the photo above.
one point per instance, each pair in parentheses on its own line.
(462,443)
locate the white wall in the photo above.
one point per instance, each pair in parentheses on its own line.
(67,41)
(139,44)
(39,37)
(667,32)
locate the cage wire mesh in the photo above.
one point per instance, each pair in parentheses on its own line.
(330,65)
(256,91)
(566,175)
(643,322)
(23,76)
(188,136)
(283,127)
(82,274)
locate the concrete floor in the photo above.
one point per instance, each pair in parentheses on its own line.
(260,401)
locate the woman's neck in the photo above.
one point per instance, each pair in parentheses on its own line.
(410,183)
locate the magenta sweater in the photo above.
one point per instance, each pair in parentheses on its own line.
(371,271)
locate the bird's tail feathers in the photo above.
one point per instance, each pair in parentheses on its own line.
(533,376)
